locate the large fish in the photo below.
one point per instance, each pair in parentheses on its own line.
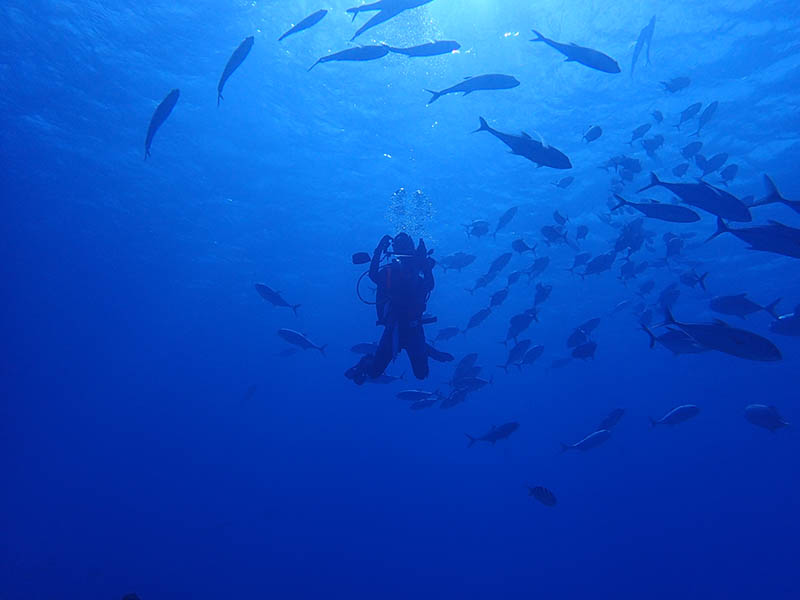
(767,417)
(236,59)
(160,115)
(706,197)
(274,297)
(774,195)
(740,305)
(593,440)
(362,53)
(523,145)
(388,9)
(429,49)
(677,415)
(676,341)
(731,340)
(664,212)
(492,81)
(494,434)
(301,341)
(585,56)
(774,237)
(645,39)
(309,21)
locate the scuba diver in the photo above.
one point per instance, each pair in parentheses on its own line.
(403,288)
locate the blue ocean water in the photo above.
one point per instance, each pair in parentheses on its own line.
(155,441)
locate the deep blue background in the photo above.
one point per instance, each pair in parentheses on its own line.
(131,460)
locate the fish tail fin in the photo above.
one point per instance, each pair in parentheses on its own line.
(471,439)
(354,12)
(622,202)
(539,37)
(721,228)
(219,98)
(435,97)
(650,334)
(669,318)
(773,194)
(295,307)
(484,125)
(772,307)
(146,153)
(702,281)
(654,181)
(322,350)
(315,64)
(564,447)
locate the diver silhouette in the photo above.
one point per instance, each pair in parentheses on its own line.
(403,288)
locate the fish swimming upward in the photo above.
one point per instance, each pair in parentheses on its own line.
(477,83)
(236,59)
(525,146)
(388,10)
(588,57)
(160,115)
(645,39)
(309,21)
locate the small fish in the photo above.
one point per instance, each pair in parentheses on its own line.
(274,298)
(651,145)
(712,164)
(236,59)
(639,132)
(585,351)
(542,293)
(298,339)
(689,113)
(455,398)
(706,116)
(532,355)
(611,419)
(582,232)
(516,354)
(580,260)
(477,228)
(160,115)
(519,323)
(514,277)
(676,84)
(457,261)
(728,173)
(309,21)
(593,133)
(767,417)
(691,279)
(495,433)
(553,234)
(498,298)
(505,219)
(388,9)
(677,415)
(361,53)
(447,333)
(588,57)
(543,495)
(499,263)
(521,247)
(657,116)
(477,83)
(565,182)
(593,440)
(599,264)
(538,267)
(478,318)
(558,218)
(429,49)
(689,150)
(472,384)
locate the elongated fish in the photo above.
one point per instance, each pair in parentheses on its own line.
(160,115)
(767,417)
(706,116)
(301,341)
(677,415)
(774,237)
(645,39)
(429,49)
(689,113)
(309,21)
(593,440)
(585,56)
(741,306)
(274,298)
(664,212)
(774,195)
(236,59)
(525,146)
(706,197)
(494,434)
(478,83)
(388,10)
(361,53)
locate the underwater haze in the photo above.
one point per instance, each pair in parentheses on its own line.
(160,438)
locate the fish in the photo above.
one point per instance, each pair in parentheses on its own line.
(234,62)
(499,263)
(559,218)
(505,219)
(366,348)
(457,261)
(657,116)
(532,355)
(773,237)
(309,21)
(767,417)
(611,419)
(523,145)
(519,323)
(599,264)
(361,53)
(740,306)
(691,279)
(514,277)
(455,398)
(676,84)
(521,247)
(495,434)
(564,182)
(593,133)
(680,170)
(577,338)
(429,49)
(722,337)
(706,116)
(588,57)
(274,298)
(553,234)
(646,287)
(481,282)
(542,293)
(581,232)
(652,144)
(788,324)
(476,319)
(447,333)
(472,384)
(498,298)
(516,354)
(160,115)
(663,212)
(712,164)
(465,365)
(645,38)
(689,150)
(677,415)
(689,113)
(580,260)
(130,597)
(585,351)
(639,132)
(415,395)
(774,196)
(439,355)
(477,83)
(421,404)
(593,440)
(674,340)
(543,495)
(669,296)
(706,197)
(477,228)
(728,173)
(388,10)
(298,339)
(538,267)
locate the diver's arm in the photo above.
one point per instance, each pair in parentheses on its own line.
(375,264)
(427,274)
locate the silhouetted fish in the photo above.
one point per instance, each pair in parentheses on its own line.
(236,59)
(543,495)
(676,84)
(774,237)
(767,417)
(362,53)
(593,440)
(478,83)
(298,339)
(388,10)
(429,49)
(664,212)
(593,133)
(708,113)
(707,197)
(740,305)
(159,116)
(525,146)
(309,21)
(689,113)
(274,298)
(505,219)
(774,195)
(645,39)
(611,419)
(677,415)
(494,434)
(585,56)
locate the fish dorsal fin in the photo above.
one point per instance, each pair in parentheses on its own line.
(721,323)
(574,45)
(654,201)
(774,222)
(526,136)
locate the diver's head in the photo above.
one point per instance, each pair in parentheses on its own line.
(403,244)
